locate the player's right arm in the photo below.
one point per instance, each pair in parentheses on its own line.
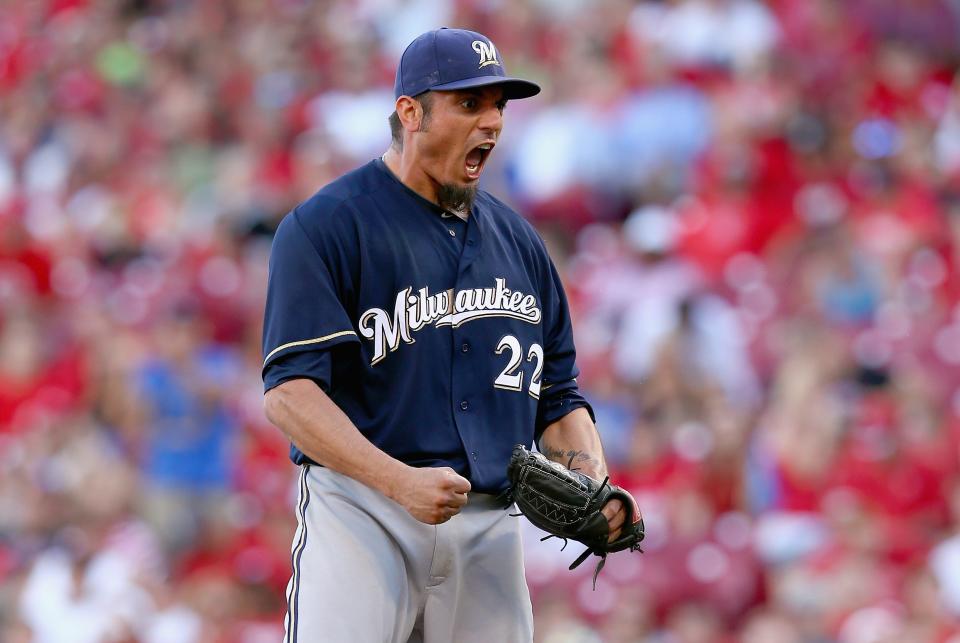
(311,274)
(317,426)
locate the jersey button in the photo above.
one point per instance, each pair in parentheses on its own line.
(452,233)
(465,348)
(464,405)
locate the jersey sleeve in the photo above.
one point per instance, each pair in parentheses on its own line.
(559,392)
(316,365)
(308,280)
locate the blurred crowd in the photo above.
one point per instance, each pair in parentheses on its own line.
(755,207)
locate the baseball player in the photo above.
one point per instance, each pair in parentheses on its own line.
(415,331)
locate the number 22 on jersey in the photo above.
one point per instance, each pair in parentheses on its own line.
(511,377)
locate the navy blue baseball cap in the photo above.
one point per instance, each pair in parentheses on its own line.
(448,59)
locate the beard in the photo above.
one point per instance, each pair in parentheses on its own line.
(456,198)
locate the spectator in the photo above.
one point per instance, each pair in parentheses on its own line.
(188,429)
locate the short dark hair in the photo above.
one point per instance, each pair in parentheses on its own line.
(396,129)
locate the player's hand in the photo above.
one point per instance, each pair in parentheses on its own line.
(615,514)
(433,494)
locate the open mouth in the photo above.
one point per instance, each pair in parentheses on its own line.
(476,158)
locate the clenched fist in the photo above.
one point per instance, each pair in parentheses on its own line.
(431,494)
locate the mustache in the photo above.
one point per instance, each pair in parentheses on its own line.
(457,198)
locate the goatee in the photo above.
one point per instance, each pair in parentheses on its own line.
(456,198)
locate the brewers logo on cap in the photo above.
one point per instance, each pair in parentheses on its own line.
(488,54)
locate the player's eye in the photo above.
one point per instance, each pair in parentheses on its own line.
(469,103)
(501,104)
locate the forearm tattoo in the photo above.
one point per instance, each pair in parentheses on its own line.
(571,458)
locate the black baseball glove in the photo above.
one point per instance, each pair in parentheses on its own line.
(566,504)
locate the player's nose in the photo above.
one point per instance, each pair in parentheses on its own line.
(491,119)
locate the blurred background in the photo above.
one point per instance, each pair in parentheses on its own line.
(756,210)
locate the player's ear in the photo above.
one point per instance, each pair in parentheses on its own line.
(410,113)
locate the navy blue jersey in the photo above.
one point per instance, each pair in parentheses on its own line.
(445,341)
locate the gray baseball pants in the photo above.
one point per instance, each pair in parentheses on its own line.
(366,571)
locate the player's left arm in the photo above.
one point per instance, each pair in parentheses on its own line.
(565,429)
(574,442)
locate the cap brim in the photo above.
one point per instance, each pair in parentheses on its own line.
(513,88)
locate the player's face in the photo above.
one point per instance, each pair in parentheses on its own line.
(461,131)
